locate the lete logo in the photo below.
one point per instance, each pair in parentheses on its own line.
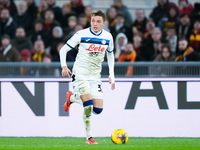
(95,48)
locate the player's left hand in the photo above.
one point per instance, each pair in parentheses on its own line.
(112,84)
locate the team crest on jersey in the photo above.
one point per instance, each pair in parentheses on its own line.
(103,42)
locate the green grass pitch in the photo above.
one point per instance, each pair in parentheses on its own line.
(68,143)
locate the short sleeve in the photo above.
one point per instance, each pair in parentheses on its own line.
(110,46)
(74,40)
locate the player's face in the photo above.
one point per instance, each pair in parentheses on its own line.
(97,23)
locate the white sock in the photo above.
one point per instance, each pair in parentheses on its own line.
(87,120)
(74,99)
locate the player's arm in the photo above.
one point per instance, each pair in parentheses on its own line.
(72,42)
(63,53)
(111,61)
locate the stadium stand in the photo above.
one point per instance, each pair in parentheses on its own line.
(43,23)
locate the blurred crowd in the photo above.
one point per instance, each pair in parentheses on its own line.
(32,33)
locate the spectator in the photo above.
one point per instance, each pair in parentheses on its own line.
(66,13)
(38,51)
(120,27)
(186,53)
(129,55)
(47,58)
(50,22)
(46,70)
(194,40)
(57,57)
(122,9)
(138,44)
(42,8)
(7,52)
(76,6)
(20,41)
(140,21)
(58,70)
(82,20)
(56,9)
(71,55)
(160,11)
(149,28)
(10,5)
(185,7)
(25,56)
(172,38)
(111,15)
(184,28)
(7,25)
(57,37)
(71,33)
(22,18)
(32,9)
(196,13)
(166,54)
(172,18)
(153,45)
(120,44)
(88,12)
(38,32)
(72,22)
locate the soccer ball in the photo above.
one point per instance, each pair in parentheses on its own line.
(119,136)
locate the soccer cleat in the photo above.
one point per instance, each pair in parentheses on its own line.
(68,103)
(91,141)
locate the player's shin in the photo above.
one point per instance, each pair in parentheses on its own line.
(88,106)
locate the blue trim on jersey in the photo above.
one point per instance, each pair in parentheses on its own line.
(109,51)
(89,39)
(69,45)
(94,32)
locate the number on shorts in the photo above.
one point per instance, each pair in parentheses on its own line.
(99,88)
(73,77)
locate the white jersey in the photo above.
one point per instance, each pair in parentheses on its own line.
(91,52)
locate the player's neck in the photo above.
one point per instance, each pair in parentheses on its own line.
(97,33)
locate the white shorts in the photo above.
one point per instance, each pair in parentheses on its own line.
(92,87)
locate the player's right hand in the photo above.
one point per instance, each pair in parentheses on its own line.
(66,71)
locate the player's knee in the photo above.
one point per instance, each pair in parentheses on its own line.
(97,111)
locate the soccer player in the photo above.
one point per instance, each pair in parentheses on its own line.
(93,43)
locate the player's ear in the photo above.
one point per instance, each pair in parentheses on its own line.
(104,23)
